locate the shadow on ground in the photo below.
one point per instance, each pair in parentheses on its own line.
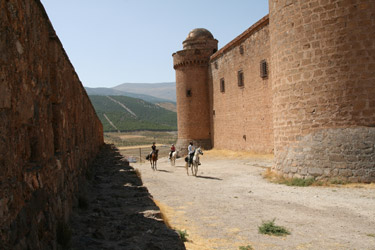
(209,177)
(115,211)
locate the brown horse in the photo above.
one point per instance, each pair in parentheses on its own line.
(154,159)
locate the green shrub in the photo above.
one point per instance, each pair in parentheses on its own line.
(183,235)
(270,228)
(248,247)
(299,182)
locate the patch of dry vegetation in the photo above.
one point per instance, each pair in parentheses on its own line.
(279,179)
(229,154)
(163,212)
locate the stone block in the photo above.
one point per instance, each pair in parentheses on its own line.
(314,171)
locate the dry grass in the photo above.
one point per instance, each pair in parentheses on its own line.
(163,212)
(229,154)
(139,146)
(276,178)
(124,137)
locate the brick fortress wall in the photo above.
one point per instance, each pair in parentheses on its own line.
(316,109)
(49,131)
(242,116)
(323,72)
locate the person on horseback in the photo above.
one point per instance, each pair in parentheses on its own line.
(173,149)
(191,151)
(153,147)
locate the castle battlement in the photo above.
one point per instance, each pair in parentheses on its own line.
(191,57)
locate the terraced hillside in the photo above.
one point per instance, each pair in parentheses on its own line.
(122,113)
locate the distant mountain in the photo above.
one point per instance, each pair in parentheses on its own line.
(166,90)
(112,91)
(123,113)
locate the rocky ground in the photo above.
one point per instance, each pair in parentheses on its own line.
(223,206)
(117,212)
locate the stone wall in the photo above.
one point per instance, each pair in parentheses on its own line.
(49,131)
(242,115)
(348,155)
(323,73)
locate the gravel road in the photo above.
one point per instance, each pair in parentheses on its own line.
(223,207)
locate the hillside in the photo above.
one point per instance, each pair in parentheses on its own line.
(122,113)
(165,90)
(112,91)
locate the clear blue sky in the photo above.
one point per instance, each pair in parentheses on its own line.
(116,41)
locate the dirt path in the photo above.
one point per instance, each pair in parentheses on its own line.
(223,207)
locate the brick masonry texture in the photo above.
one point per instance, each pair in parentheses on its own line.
(242,118)
(49,131)
(320,84)
(193,109)
(322,64)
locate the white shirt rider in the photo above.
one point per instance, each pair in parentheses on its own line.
(191,149)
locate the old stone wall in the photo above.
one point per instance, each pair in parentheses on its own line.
(242,115)
(49,131)
(323,73)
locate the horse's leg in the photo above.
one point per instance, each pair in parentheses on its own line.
(187,168)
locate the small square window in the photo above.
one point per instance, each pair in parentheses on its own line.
(263,69)
(240,78)
(188,93)
(222,85)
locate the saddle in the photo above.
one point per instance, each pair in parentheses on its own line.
(188,157)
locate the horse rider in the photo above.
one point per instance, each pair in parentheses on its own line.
(173,149)
(191,151)
(153,147)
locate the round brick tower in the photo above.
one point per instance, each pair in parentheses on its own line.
(323,82)
(192,92)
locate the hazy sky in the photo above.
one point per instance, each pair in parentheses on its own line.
(116,41)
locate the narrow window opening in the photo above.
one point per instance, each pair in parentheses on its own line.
(240,78)
(188,93)
(263,69)
(241,49)
(216,65)
(222,85)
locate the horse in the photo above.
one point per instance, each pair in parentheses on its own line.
(195,163)
(154,159)
(173,158)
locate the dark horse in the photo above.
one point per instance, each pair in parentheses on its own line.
(154,159)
